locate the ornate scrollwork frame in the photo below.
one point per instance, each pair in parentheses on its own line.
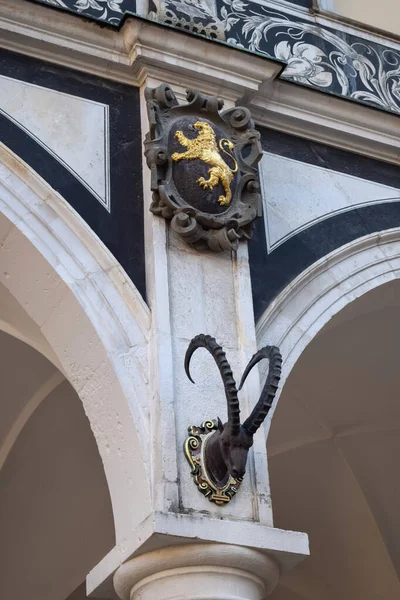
(218,229)
(194,452)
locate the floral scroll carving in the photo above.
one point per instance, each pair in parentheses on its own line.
(335,61)
(109,11)
(315,55)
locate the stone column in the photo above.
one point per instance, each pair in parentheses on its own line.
(197,572)
(193,292)
(189,548)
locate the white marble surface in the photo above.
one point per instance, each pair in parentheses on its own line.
(297,195)
(74,130)
(93,319)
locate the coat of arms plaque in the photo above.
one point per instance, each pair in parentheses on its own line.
(203,165)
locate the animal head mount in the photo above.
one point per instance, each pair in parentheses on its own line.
(225,450)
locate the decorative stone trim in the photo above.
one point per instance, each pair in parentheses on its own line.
(142,49)
(305,306)
(335,60)
(198,16)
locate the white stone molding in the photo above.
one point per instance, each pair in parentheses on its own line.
(285,548)
(93,319)
(142,49)
(303,308)
(198,572)
(328,120)
(161,379)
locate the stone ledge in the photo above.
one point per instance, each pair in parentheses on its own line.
(160,530)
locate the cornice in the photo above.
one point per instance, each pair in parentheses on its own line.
(142,50)
(315,48)
(139,49)
(322,118)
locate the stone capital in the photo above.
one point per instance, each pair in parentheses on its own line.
(198,572)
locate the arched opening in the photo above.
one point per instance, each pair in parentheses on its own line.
(56,518)
(333,448)
(79,310)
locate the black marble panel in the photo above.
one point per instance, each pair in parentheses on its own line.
(271,273)
(121,230)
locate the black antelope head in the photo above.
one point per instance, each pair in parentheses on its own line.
(227,448)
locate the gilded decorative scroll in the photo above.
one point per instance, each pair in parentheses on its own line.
(194,452)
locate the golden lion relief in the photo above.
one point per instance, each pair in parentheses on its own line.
(205,148)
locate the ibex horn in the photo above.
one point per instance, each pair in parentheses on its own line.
(261,409)
(210,344)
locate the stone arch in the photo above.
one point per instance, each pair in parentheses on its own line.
(304,307)
(93,319)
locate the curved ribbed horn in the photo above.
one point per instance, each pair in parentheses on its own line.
(210,344)
(267,395)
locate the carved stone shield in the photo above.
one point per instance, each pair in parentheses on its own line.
(203,167)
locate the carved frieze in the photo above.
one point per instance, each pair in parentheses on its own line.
(320,53)
(203,165)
